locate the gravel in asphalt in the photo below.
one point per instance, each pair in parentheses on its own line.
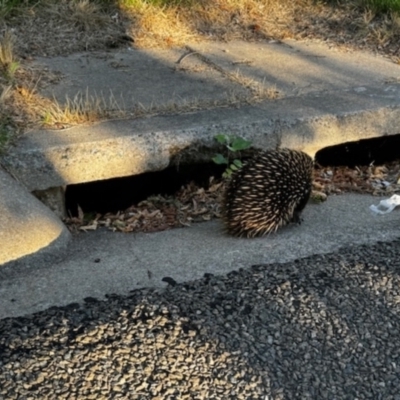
(322,327)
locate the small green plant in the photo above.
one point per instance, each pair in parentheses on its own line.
(382,6)
(47,118)
(233,144)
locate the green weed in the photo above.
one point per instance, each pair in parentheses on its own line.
(8,7)
(382,5)
(233,145)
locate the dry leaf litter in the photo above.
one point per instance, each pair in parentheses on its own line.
(193,204)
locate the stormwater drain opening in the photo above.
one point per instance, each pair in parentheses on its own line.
(113,195)
(376,151)
(119,194)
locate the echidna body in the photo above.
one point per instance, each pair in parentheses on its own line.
(268,192)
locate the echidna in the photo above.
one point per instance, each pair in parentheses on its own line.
(269,191)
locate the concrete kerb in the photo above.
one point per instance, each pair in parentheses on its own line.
(27,227)
(48,159)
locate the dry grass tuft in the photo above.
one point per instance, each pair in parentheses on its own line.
(259,90)
(26,108)
(5,94)
(382,31)
(394,24)
(8,61)
(84,15)
(7,48)
(81,109)
(159,27)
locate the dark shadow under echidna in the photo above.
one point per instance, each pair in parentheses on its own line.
(268,192)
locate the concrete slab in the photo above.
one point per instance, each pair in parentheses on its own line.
(26,226)
(132,78)
(299,68)
(103,262)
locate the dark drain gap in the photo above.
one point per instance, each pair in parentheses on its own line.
(118,194)
(377,151)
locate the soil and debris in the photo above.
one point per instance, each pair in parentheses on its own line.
(50,28)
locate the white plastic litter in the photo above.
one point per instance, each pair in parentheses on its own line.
(386,206)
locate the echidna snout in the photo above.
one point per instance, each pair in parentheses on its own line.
(268,192)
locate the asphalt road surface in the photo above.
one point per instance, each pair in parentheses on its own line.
(322,327)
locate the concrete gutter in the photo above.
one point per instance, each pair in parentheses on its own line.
(104,262)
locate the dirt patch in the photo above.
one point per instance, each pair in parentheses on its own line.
(63,27)
(51,28)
